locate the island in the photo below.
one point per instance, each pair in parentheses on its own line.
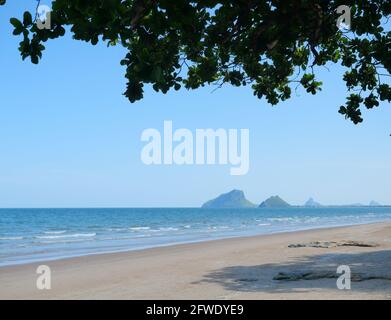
(274,202)
(311,203)
(232,199)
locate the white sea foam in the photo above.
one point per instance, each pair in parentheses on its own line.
(218,227)
(116,229)
(168,229)
(75,235)
(283,219)
(68,240)
(139,228)
(55,232)
(11,238)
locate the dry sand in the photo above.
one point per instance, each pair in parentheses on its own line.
(239,268)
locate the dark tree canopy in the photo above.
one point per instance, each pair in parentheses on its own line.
(272,45)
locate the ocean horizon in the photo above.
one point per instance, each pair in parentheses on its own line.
(33,235)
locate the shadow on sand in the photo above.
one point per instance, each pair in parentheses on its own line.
(371,272)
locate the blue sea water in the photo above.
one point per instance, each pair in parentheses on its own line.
(31,235)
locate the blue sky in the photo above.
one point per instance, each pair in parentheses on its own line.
(68,138)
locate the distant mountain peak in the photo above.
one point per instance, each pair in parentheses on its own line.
(274,202)
(312,203)
(232,199)
(240,193)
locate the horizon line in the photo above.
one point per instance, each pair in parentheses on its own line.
(200,207)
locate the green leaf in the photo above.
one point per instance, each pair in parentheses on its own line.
(27,19)
(34,59)
(16,23)
(19,28)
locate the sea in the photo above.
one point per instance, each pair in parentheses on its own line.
(33,235)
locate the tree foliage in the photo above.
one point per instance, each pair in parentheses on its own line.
(273,45)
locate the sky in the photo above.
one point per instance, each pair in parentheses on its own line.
(69,138)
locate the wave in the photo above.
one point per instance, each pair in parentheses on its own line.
(76,235)
(55,232)
(59,241)
(218,227)
(295,219)
(139,228)
(116,229)
(11,238)
(168,229)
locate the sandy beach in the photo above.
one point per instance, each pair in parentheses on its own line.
(295,265)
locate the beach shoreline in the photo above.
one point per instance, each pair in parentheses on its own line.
(177,243)
(231,268)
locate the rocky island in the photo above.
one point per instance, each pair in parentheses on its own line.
(232,199)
